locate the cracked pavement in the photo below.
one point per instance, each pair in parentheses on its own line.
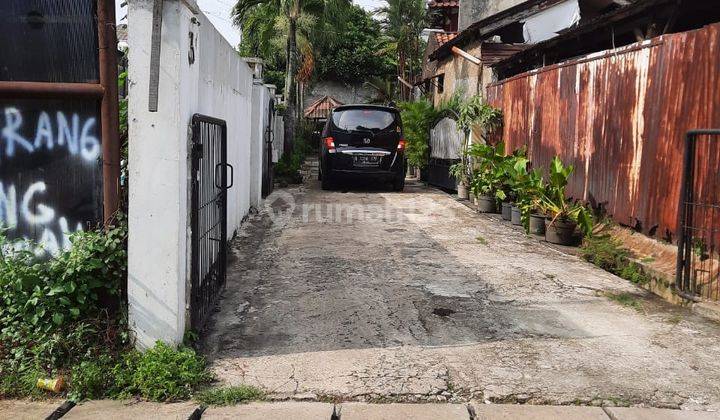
(418,298)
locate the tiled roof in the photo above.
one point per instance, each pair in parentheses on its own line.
(321,108)
(443,3)
(443,37)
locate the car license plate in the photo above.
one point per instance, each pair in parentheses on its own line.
(365,160)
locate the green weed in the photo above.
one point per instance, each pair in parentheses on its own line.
(625,299)
(230,395)
(481,240)
(608,253)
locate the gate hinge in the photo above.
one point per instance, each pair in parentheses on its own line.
(197,151)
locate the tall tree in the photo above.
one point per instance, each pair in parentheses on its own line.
(403,22)
(324,12)
(353,56)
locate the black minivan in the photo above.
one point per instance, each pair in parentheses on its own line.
(363,141)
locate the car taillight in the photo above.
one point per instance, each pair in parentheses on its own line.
(401,145)
(329,143)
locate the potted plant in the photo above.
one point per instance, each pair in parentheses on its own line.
(488,175)
(529,202)
(459,171)
(514,185)
(563,215)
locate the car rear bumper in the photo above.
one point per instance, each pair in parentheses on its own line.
(340,164)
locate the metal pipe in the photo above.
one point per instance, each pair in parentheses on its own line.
(47,90)
(109,117)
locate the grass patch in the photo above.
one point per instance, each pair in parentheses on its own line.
(481,240)
(608,253)
(625,299)
(232,395)
(161,373)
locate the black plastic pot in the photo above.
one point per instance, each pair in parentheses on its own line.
(560,232)
(506,211)
(515,216)
(486,204)
(537,224)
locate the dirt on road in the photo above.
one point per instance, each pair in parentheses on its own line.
(380,296)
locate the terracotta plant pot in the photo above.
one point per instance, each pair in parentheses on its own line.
(506,211)
(515,216)
(560,232)
(537,224)
(462,191)
(486,204)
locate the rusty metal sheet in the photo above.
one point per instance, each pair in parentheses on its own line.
(620,118)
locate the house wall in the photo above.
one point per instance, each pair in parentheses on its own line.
(216,83)
(620,117)
(473,10)
(461,76)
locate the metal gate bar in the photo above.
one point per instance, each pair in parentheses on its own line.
(209,187)
(698,263)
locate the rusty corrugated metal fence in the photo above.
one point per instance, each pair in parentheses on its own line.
(620,118)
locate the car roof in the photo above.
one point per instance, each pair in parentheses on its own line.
(366,106)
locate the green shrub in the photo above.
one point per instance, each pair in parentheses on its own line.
(608,253)
(417,118)
(52,311)
(164,373)
(230,396)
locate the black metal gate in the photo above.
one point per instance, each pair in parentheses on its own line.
(267,170)
(208,215)
(698,263)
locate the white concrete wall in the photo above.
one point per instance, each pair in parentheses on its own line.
(259,122)
(218,84)
(278,137)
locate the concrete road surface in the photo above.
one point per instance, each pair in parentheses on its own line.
(376,296)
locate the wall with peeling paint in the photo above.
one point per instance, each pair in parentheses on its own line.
(620,118)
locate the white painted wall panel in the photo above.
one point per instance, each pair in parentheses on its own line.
(217,83)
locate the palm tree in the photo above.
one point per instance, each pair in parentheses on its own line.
(264,15)
(403,22)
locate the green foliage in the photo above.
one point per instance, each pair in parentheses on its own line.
(608,253)
(51,307)
(625,299)
(288,166)
(403,22)
(417,118)
(476,112)
(162,373)
(233,395)
(353,57)
(489,172)
(557,206)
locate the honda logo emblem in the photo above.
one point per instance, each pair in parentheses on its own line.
(366,141)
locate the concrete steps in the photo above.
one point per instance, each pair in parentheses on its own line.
(310,168)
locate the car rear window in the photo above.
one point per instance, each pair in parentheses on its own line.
(363,119)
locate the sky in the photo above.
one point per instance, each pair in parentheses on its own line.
(218,11)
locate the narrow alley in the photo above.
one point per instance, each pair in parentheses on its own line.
(416,297)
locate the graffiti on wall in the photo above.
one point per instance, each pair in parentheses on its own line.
(50,171)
